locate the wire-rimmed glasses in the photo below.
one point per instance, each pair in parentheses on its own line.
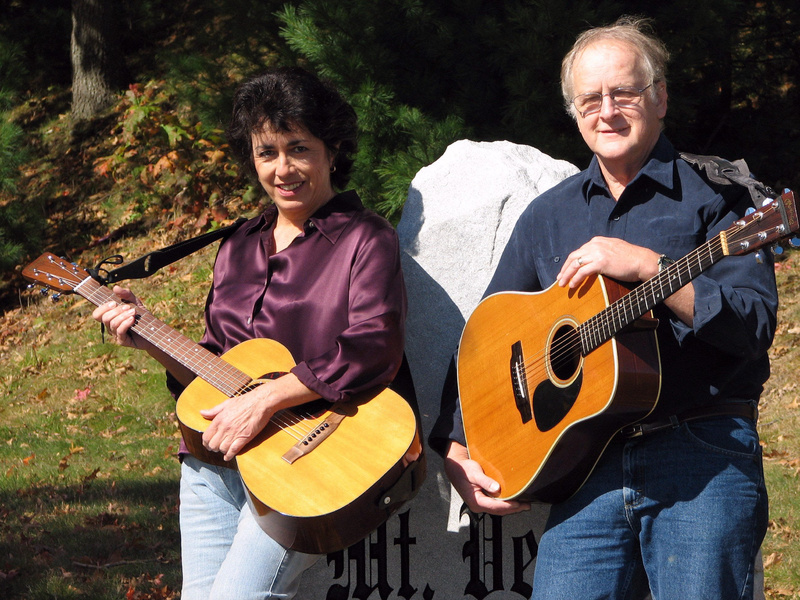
(624,97)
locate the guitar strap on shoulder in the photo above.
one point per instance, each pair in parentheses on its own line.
(146,265)
(721,171)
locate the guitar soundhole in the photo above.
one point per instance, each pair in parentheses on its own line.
(554,397)
(564,353)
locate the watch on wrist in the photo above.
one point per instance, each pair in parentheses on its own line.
(664,261)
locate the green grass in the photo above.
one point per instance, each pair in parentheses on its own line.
(779,426)
(88,497)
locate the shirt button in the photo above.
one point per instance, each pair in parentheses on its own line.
(557,259)
(249,320)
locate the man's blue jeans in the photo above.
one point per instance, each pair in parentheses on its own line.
(683,510)
(224,552)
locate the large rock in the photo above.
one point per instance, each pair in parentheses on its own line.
(457,219)
(459,214)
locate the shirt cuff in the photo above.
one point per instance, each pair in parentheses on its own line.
(308,379)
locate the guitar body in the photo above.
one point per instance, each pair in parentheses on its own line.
(542,443)
(339,492)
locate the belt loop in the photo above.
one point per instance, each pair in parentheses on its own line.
(674,421)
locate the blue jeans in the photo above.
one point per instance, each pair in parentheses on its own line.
(225,554)
(682,510)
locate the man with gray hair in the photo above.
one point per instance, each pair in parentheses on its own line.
(676,504)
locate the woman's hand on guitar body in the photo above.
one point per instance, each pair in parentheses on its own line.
(472,483)
(238,420)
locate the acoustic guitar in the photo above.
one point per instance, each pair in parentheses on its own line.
(321,476)
(546,379)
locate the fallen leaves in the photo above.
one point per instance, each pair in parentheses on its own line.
(82,394)
(783,459)
(64,462)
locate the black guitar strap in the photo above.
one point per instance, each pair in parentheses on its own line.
(719,170)
(146,265)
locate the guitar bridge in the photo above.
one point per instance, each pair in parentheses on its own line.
(519,382)
(314,439)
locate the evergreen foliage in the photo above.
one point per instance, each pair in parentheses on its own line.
(424,73)
(12,155)
(396,138)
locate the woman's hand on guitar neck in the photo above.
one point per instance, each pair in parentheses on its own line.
(472,483)
(119,318)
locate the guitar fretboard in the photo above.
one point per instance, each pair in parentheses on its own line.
(600,328)
(206,365)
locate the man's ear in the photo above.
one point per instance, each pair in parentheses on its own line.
(661,99)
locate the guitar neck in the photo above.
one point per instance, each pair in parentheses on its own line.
(206,365)
(604,325)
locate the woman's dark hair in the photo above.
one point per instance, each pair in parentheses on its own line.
(289,98)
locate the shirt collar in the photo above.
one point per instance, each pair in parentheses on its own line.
(331,218)
(659,167)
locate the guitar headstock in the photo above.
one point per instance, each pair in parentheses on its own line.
(768,225)
(54,273)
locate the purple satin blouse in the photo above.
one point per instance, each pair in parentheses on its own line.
(334,297)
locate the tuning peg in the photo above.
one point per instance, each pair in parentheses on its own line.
(44,291)
(794,242)
(749,211)
(759,257)
(767,202)
(777,249)
(55,297)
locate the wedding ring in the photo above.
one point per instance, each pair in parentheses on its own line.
(580,261)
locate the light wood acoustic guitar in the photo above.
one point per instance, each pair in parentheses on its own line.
(546,379)
(321,476)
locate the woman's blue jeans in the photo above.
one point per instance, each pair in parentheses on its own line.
(682,510)
(225,554)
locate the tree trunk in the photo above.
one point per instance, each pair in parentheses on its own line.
(97,65)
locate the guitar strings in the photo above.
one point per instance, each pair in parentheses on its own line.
(563,351)
(223,376)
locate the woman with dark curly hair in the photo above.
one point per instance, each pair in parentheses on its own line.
(317,273)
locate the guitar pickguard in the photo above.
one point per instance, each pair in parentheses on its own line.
(551,403)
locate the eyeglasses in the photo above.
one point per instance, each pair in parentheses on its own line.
(624,97)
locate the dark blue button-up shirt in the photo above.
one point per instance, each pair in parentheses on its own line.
(670,208)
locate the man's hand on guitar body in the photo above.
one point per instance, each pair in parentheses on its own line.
(472,483)
(612,257)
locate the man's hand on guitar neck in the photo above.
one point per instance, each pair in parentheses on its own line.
(472,484)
